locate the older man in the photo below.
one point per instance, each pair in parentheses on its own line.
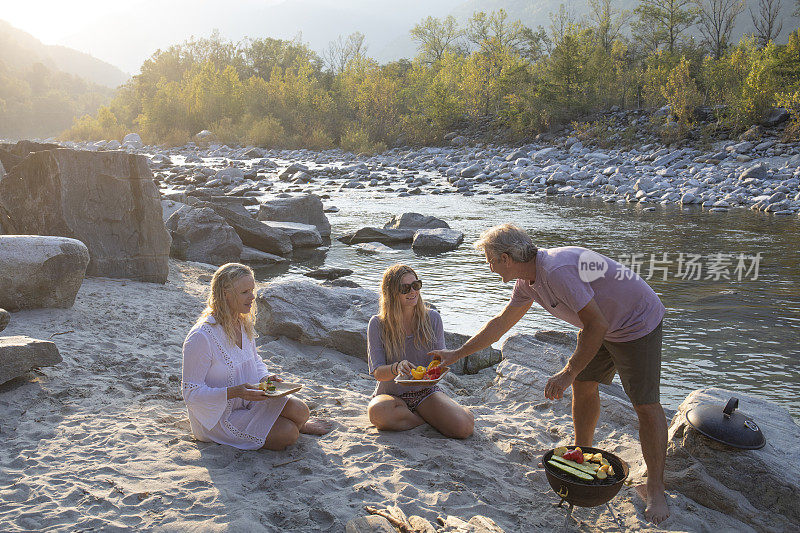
(619,317)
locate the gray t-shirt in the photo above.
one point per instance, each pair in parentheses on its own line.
(630,306)
(415,355)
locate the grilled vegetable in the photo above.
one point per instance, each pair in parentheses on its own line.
(569,470)
(572,464)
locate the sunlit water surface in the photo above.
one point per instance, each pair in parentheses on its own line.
(740,335)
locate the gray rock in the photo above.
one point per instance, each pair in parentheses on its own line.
(330,273)
(306,209)
(300,235)
(253,256)
(758,171)
(374,248)
(380,235)
(758,487)
(40,272)
(5,318)
(471,171)
(19,355)
(317,315)
(106,200)
(644,184)
(544,153)
(473,363)
(200,234)
(689,198)
(775,117)
(437,240)
(754,133)
(133,140)
(415,221)
(170,206)
(258,235)
(204,138)
(229,175)
(287,173)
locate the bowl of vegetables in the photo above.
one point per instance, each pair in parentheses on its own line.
(584,476)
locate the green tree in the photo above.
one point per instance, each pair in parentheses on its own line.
(437,37)
(661,22)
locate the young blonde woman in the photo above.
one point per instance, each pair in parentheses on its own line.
(399,338)
(221,370)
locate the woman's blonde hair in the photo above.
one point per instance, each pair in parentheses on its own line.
(217,304)
(391,316)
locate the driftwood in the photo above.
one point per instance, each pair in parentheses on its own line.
(400,524)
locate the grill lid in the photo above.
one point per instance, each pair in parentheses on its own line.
(726,425)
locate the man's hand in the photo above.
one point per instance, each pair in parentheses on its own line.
(556,385)
(448,357)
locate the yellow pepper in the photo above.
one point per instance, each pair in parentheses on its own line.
(434,363)
(418,372)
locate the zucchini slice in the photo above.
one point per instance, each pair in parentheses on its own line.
(569,470)
(572,464)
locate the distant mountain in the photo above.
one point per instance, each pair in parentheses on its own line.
(20,50)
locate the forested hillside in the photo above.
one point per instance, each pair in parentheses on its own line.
(492,74)
(40,94)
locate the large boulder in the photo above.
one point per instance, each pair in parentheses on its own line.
(38,272)
(258,235)
(132,140)
(19,355)
(415,221)
(758,487)
(5,318)
(305,209)
(381,235)
(107,200)
(475,362)
(436,240)
(317,315)
(199,234)
(301,235)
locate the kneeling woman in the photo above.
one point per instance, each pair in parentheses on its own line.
(399,338)
(221,369)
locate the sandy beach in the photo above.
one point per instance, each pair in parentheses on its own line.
(101,441)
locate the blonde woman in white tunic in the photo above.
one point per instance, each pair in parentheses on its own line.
(221,370)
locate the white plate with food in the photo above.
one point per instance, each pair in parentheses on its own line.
(405,379)
(281,388)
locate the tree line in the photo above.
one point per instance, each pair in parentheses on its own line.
(492,74)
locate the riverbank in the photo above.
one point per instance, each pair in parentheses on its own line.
(102,440)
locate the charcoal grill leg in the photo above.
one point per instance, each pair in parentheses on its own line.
(569,515)
(611,510)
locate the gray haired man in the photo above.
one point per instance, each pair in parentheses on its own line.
(619,317)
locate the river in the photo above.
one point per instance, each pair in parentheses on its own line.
(739,333)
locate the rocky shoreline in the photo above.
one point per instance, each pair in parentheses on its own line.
(756,171)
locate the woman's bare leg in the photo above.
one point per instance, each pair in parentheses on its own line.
(449,418)
(389,413)
(284,433)
(297,411)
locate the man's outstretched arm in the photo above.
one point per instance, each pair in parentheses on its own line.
(489,333)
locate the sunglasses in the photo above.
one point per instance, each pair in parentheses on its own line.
(405,288)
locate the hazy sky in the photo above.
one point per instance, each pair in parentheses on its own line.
(125,33)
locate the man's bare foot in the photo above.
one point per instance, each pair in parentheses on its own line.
(656,509)
(317,427)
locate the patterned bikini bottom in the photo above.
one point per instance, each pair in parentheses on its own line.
(413,399)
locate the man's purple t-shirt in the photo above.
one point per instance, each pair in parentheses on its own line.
(568,277)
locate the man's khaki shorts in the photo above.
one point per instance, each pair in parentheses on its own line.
(638,363)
